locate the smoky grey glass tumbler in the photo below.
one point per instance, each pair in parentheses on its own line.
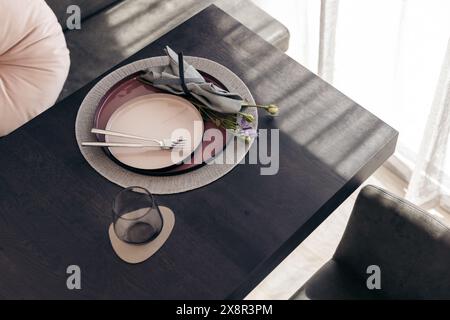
(136,216)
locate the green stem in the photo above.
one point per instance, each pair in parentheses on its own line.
(254,106)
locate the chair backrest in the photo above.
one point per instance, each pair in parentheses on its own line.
(411,247)
(87,7)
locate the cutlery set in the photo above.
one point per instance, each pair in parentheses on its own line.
(165,144)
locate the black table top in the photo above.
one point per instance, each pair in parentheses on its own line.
(55,209)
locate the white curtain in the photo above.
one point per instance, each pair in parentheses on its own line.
(392,57)
(327,38)
(429,182)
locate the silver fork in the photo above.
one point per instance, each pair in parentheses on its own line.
(130,145)
(163,144)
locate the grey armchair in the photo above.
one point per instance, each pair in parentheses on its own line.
(410,247)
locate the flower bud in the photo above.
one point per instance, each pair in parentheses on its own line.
(248,117)
(272,109)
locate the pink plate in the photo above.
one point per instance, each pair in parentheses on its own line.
(131,88)
(158,116)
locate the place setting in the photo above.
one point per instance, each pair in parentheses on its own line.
(127,116)
(154,127)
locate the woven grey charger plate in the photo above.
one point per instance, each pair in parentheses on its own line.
(200,177)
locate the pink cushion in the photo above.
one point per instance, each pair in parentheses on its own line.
(34,61)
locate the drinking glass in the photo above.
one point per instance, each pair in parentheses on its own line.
(136,216)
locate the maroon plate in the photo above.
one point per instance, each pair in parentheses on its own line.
(130,88)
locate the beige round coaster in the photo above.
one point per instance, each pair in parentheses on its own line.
(133,253)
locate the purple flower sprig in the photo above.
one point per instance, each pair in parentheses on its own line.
(245,130)
(246,134)
(239,124)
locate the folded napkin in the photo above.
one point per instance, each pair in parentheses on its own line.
(183,79)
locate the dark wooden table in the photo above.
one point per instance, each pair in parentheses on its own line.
(55,209)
